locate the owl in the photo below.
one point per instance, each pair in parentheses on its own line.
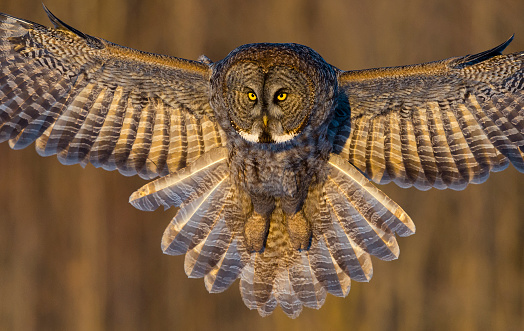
(268,155)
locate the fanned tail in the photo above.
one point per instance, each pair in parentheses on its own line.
(351,220)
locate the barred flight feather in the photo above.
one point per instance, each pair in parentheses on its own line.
(226,271)
(201,258)
(329,274)
(310,291)
(375,160)
(157,157)
(87,134)
(176,188)
(101,154)
(194,222)
(350,257)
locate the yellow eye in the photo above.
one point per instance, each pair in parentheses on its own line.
(281,96)
(252,96)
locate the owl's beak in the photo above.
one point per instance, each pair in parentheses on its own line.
(265,135)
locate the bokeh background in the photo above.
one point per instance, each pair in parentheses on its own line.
(74,255)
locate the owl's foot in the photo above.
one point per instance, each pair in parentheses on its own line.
(299,231)
(255,232)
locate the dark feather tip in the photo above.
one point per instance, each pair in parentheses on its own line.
(59,24)
(477,58)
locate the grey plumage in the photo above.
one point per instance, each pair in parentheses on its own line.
(268,153)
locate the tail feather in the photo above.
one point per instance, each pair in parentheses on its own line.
(398,221)
(266,268)
(285,294)
(305,284)
(353,209)
(195,220)
(247,284)
(202,258)
(355,262)
(290,287)
(188,183)
(267,308)
(226,271)
(326,269)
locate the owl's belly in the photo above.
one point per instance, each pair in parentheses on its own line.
(272,179)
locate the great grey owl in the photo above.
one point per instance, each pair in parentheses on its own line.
(268,154)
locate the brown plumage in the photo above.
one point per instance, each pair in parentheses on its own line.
(268,153)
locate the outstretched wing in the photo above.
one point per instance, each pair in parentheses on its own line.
(91,101)
(442,124)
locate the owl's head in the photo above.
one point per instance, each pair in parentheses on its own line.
(272,93)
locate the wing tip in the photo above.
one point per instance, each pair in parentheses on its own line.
(482,56)
(59,24)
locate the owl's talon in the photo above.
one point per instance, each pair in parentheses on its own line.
(299,231)
(255,232)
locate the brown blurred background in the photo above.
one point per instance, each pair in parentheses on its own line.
(74,255)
